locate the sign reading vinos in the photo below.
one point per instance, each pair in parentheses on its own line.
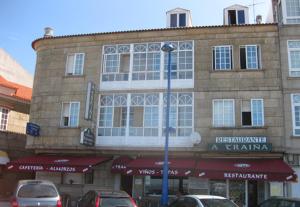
(240,144)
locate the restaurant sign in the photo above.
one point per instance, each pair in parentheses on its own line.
(240,144)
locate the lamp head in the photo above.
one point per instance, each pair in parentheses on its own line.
(168,47)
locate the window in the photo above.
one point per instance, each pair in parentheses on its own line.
(181,114)
(236,16)
(222,57)
(113,115)
(253,113)
(75,64)
(294,57)
(144,117)
(70,114)
(4,118)
(181,61)
(296,114)
(116,63)
(249,57)
(223,113)
(178,20)
(293,11)
(146,61)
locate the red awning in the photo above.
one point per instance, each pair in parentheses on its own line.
(55,163)
(154,166)
(119,165)
(245,169)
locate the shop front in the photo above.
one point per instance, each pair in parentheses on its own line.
(246,181)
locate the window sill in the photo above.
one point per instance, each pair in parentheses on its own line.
(73,76)
(293,78)
(62,127)
(238,70)
(239,127)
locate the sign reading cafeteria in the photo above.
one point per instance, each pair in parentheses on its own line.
(70,169)
(240,144)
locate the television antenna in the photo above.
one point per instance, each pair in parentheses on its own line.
(253,8)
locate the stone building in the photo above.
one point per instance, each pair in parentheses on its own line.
(99,100)
(14,114)
(287,13)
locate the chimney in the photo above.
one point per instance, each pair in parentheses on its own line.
(48,32)
(258,19)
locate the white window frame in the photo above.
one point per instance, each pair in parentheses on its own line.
(258,57)
(62,117)
(4,128)
(284,13)
(213,119)
(214,59)
(289,58)
(74,63)
(263,112)
(178,20)
(293,114)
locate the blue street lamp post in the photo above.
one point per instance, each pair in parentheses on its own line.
(164,201)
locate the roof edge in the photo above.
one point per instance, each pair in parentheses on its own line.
(144,30)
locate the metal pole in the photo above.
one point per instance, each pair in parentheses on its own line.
(167,131)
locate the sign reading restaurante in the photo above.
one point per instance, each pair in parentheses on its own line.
(240,144)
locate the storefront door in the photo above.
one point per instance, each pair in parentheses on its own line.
(237,192)
(252,193)
(126,183)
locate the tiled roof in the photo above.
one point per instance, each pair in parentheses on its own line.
(22,92)
(146,30)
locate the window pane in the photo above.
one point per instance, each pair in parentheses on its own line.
(182,20)
(70,64)
(295,59)
(292,8)
(173,20)
(252,57)
(223,113)
(74,113)
(4,117)
(111,63)
(222,57)
(241,17)
(79,64)
(257,112)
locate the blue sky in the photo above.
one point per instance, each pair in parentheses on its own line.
(22,21)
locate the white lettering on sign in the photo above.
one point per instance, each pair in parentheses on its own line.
(31,167)
(258,176)
(241,140)
(146,172)
(62,169)
(119,166)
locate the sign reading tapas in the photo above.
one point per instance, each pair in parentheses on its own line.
(158,172)
(240,144)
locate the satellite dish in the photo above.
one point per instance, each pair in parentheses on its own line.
(196,137)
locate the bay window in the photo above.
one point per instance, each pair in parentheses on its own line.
(293,11)
(146,61)
(116,62)
(181,61)
(113,115)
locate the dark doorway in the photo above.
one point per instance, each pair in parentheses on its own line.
(252,193)
(232,17)
(126,184)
